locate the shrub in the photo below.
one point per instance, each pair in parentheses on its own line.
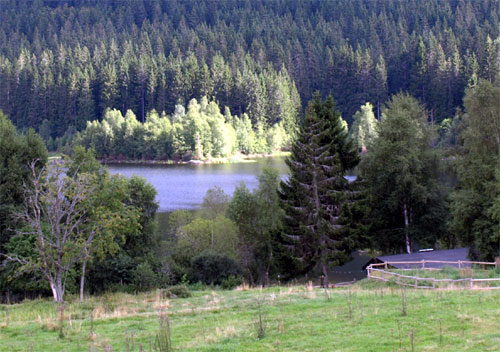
(179,291)
(144,278)
(197,286)
(212,269)
(231,282)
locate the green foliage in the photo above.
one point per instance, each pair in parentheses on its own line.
(316,192)
(23,278)
(135,244)
(401,175)
(16,151)
(231,282)
(152,56)
(475,205)
(364,127)
(218,235)
(203,132)
(215,203)
(258,218)
(213,268)
(178,219)
(144,278)
(180,291)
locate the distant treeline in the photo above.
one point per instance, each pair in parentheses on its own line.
(66,65)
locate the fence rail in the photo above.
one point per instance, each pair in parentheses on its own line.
(374,272)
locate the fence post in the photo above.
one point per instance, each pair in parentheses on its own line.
(423,264)
(460,264)
(471,282)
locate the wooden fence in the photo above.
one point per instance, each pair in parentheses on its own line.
(375,271)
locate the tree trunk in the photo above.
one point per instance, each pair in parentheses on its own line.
(54,290)
(268,266)
(250,276)
(82,279)
(498,145)
(325,274)
(407,237)
(212,236)
(142,105)
(316,195)
(56,285)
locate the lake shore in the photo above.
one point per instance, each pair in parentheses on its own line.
(239,158)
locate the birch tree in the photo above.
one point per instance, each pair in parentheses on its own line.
(402,178)
(364,127)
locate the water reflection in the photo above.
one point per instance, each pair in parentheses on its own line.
(184,186)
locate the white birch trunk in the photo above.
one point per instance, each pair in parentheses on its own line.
(407,237)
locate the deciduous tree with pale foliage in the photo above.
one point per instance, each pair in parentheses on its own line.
(69,215)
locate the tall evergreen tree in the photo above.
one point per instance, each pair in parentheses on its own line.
(475,202)
(316,191)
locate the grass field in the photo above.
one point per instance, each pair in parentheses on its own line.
(366,317)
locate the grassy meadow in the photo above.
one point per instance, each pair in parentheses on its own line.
(368,316)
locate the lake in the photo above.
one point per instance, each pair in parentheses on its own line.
(184,186)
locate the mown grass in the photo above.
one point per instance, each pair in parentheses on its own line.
(366,317)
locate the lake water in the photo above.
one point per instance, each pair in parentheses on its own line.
(184,186)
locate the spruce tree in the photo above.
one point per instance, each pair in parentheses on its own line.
(316,191)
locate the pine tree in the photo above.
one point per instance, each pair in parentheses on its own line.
(316,191)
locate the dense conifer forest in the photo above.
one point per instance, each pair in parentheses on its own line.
(62,63)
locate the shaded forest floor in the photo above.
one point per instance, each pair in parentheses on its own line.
(365,317)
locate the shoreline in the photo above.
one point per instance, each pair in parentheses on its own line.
(240,158)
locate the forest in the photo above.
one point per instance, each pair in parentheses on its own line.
(403,94)
(74,59)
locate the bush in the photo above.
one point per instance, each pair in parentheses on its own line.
(144,278)
(179,291)
(212,269)
(231,282)
(197,286)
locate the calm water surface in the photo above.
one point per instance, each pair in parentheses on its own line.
(184,186)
